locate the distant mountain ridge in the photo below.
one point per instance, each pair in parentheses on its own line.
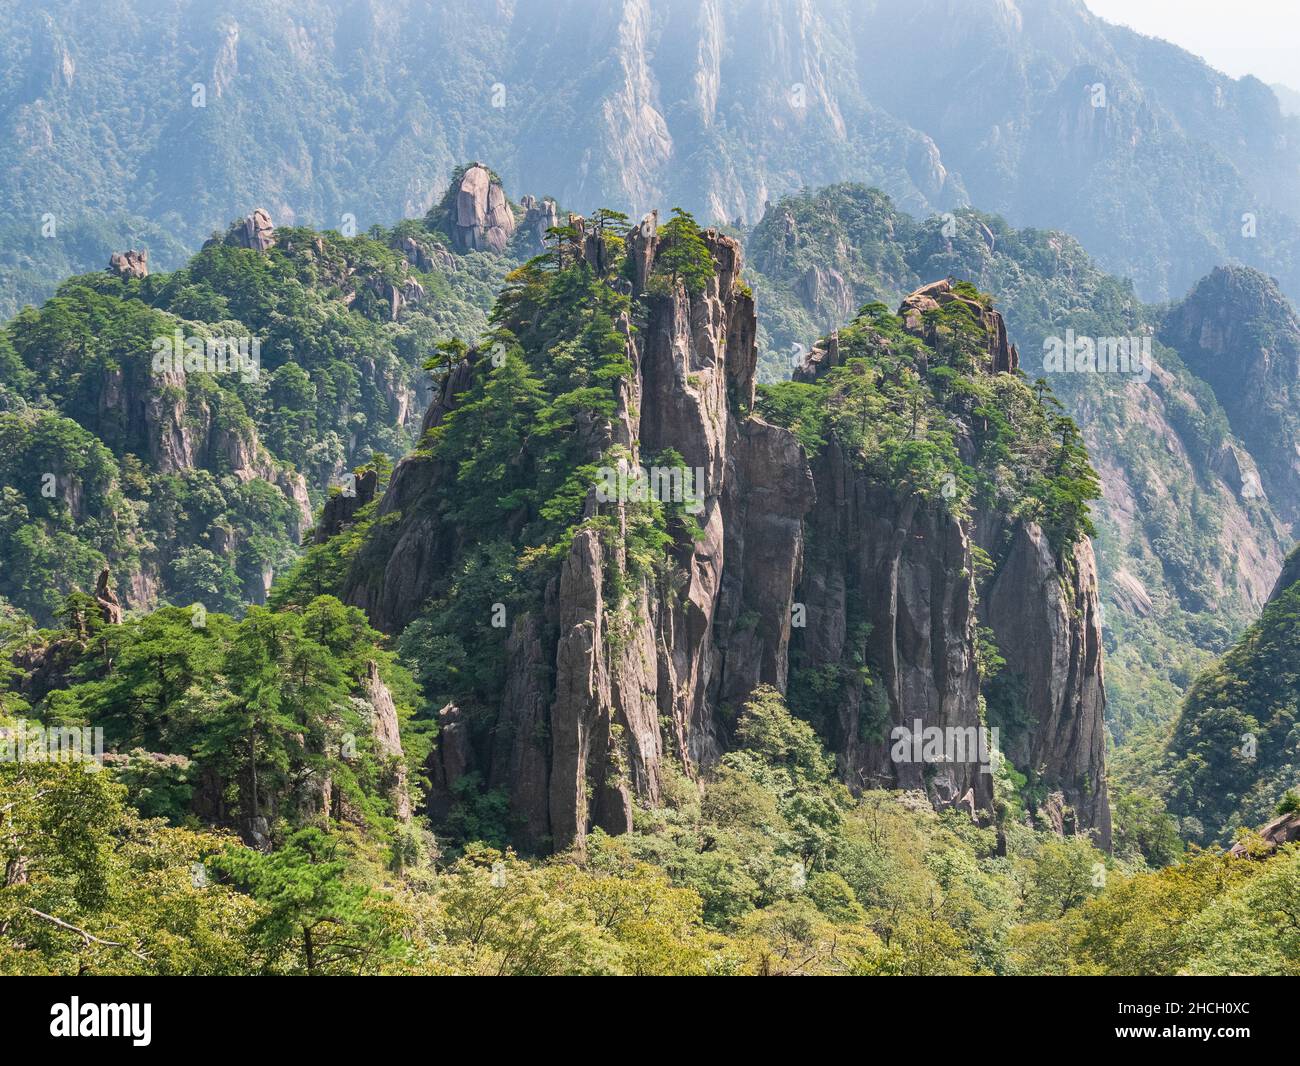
(324,110)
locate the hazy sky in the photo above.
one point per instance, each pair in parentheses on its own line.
(1260,37)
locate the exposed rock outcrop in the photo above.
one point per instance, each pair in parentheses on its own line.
(798,572)
(888,584)
(255,231)
(109,605)
(129,264)
(388,741)
(1043,608)
(450,761)
(155,416)
(1282,830)
(1003,356)
(1130,595)
(426,256)
(902,573)
(539,216)
(1289,576)
(480,218)
(826,287)
(341,507)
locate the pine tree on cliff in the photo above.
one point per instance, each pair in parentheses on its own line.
(683,255)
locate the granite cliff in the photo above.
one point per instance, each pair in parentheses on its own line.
(802,566)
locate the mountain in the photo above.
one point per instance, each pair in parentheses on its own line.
(1039,111)
(684,691)
(180,429)
(1288,99)
(868,541)
(785,568)
(203,495)
(1197,501)
(1233,756)
(1239,334)
(1193,452)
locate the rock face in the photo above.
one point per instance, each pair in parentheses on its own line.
(256,231)
(341,508)
(110,607)
(826,286)
(1130,595)
(480,218)
(891,584)
(154,416)
(1003,356)
(1238,333)
(129,264)
(388,741)
(451,761)
(799,571)
(888,584)
(539,216)
(1043,608)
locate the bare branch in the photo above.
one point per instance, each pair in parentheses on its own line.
(89,938)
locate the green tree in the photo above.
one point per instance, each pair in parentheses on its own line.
(683,255)
(317,919)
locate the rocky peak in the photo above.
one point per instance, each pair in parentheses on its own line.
(1226,324)
(255,231)
(1003,357)
(539,216)
(386,731)
(594,696)
(129,264)
(341,507)
(426,257)
(1238,333)
(109,605)
(478,214)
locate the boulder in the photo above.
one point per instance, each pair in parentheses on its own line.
(480,216)
(129,264)
(255,231)
(1285,829)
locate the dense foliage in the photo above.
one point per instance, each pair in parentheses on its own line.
(765,867)
(905,409)
(193,485)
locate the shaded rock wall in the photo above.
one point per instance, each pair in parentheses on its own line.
(799,568)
